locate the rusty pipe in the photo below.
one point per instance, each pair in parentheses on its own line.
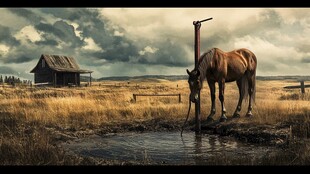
(198,22)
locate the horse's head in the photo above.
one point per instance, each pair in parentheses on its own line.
(195,84)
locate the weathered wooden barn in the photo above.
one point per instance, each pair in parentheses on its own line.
(58,71)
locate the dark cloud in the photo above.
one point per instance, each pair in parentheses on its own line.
(6,36)
(88,19)
(266,66)
(18,59)
(169,53)
(115,48)
(7,70)
(70,13)
(218,39)
(268,20)
(47,42)
(62,30)
(68,34)
(119,51)
(305,60)
(48,28)
(27,14)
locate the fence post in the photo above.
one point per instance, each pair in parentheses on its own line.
(179,98)
(302,86)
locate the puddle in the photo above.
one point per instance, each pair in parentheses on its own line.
(165,148)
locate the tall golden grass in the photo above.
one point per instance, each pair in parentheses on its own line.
(25,113)
(108,103)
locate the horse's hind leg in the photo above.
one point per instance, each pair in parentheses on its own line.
(221,96)
(251,90)
(212,94)
(238,109)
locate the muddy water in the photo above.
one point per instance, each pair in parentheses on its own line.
(166,148)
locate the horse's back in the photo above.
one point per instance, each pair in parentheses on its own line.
(234,63)
(250,57)
(246,55)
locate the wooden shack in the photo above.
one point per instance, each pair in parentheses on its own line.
(58,71)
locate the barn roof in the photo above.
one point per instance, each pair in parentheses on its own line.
(61,64)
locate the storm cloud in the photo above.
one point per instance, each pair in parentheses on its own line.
(6,36)
(138,41)
(6,70)
(19,59)
(305,60)
(27,14)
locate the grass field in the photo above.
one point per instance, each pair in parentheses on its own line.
(29,117)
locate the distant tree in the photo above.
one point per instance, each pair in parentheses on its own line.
(6,79)
(1,79)
(9,79)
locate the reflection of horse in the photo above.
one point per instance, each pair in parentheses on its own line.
(218,66)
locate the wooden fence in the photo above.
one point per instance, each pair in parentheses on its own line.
(177,95)
(302,87)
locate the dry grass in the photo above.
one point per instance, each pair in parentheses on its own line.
(26,112)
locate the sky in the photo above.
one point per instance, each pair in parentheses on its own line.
(152,41)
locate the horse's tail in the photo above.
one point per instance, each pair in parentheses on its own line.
(254,86)
(244,87)
(249,75)
(253,77)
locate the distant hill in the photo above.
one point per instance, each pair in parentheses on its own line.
(86,79)
(293,78)
(126,78)
(185,77)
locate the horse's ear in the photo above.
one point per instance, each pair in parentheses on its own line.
(188,72)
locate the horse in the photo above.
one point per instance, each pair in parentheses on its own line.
(218,66)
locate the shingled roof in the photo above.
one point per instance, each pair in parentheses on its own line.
(61,64)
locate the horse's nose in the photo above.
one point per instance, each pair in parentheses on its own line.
(196,96)
(193,98)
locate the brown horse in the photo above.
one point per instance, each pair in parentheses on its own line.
(218,66)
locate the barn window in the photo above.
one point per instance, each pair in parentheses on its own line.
(43,63)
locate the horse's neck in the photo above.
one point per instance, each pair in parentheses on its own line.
(204,64)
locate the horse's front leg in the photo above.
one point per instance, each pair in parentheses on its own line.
(221,97)
(212,94)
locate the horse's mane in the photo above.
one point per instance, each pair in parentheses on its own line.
(207,55)
(204,61)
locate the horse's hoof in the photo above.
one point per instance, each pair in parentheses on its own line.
(249,115)
(236,116)
(223,119)
(210,120)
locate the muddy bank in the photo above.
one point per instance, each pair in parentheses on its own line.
(278,135)
(273,135)
(61,134)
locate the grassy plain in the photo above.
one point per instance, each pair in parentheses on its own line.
(33,121)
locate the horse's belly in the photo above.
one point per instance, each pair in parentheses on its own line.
(233,76)
(230,80)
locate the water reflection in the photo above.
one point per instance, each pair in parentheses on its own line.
(198,149)
(212,142)
(159,147)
